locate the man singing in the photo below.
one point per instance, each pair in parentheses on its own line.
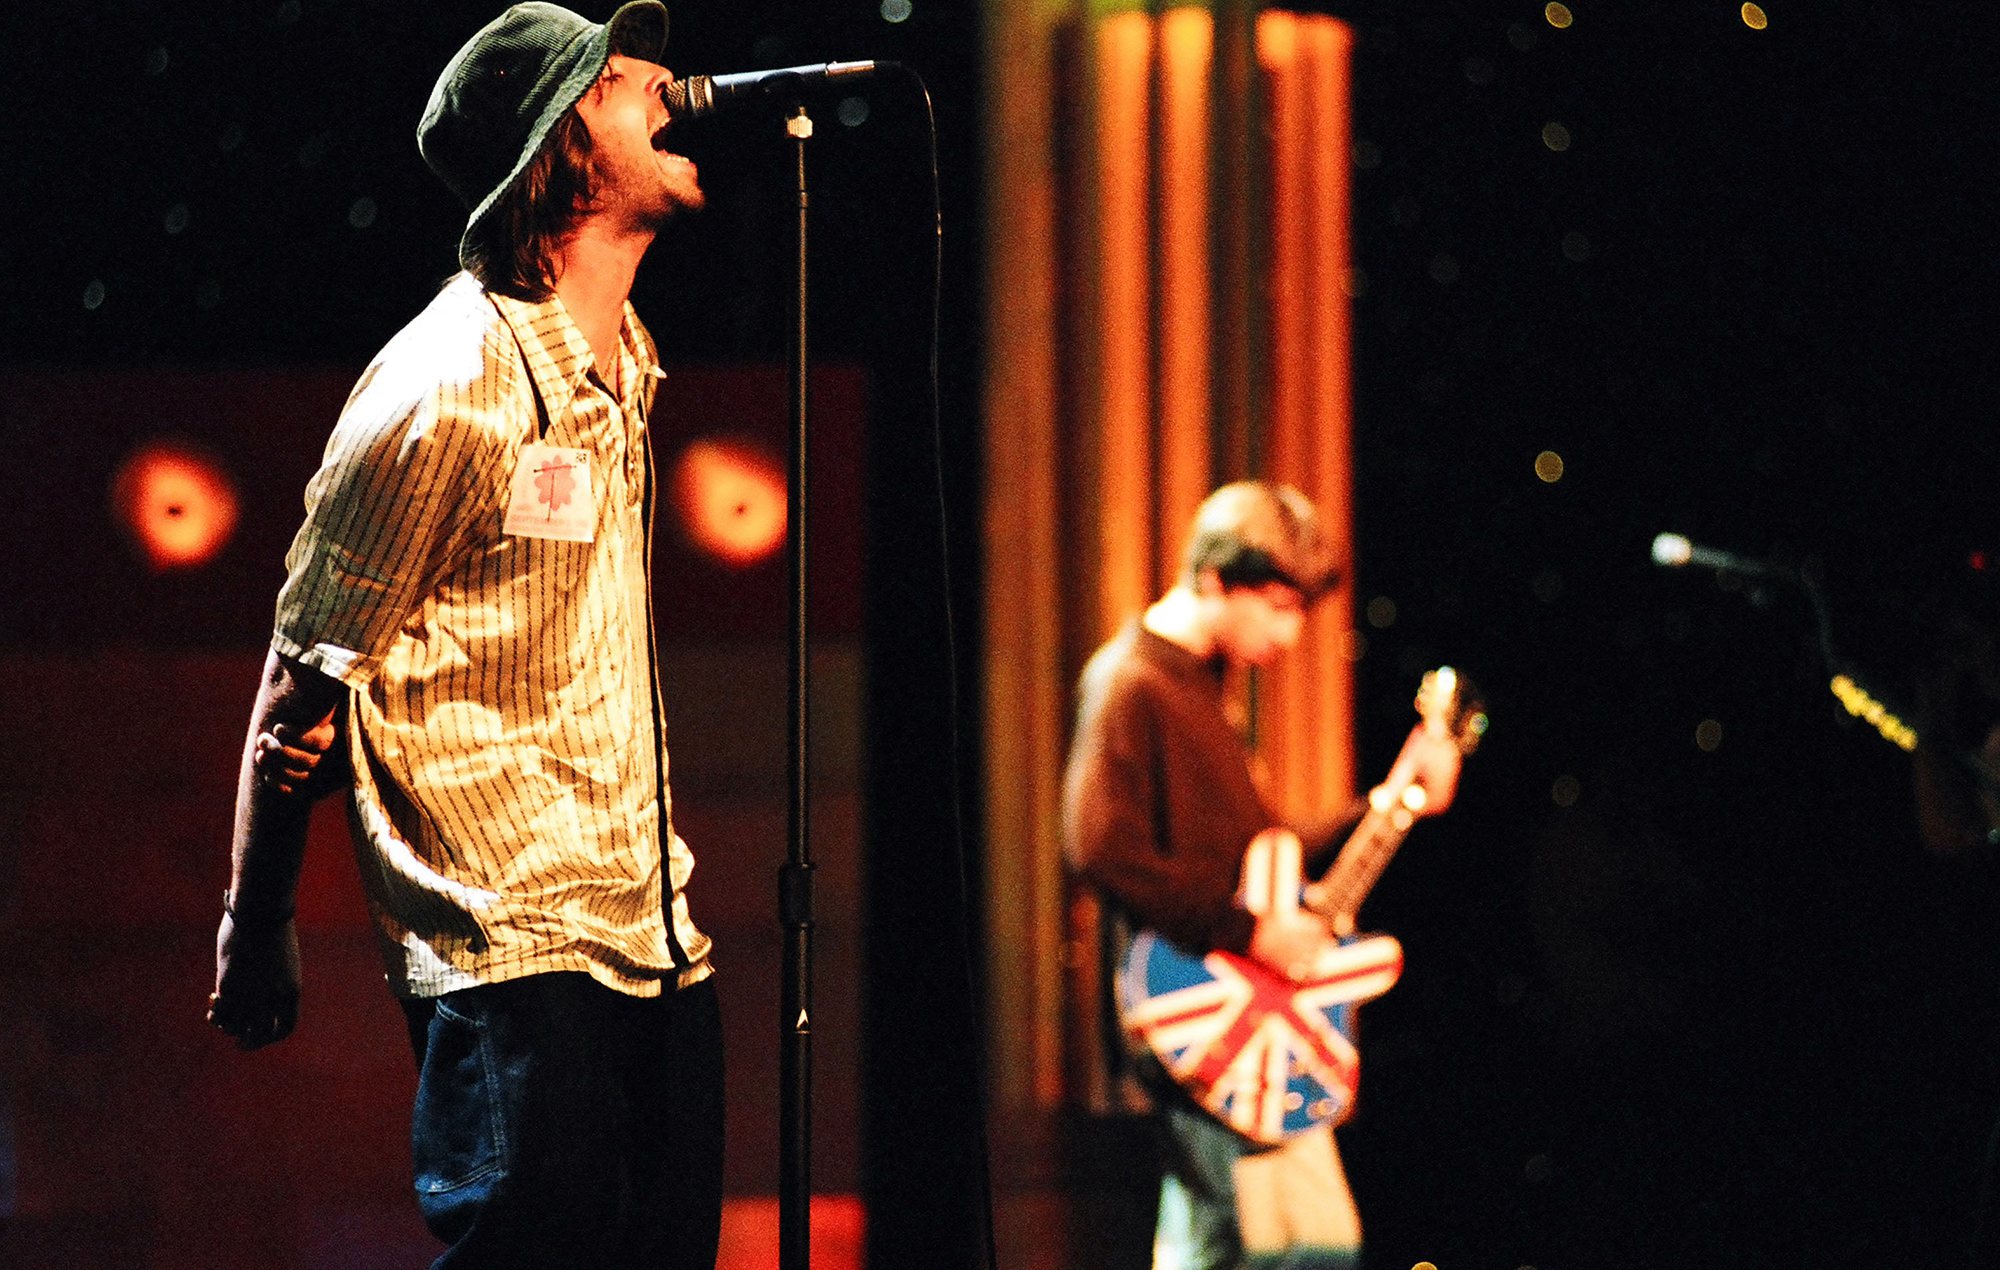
(467,618)
(1160,805)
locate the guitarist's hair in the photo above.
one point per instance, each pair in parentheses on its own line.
(1255,532)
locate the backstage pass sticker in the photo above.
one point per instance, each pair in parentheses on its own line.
(551,495)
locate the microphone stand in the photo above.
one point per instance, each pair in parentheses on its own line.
(795,876)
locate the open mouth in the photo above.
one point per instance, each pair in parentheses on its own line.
(660,137)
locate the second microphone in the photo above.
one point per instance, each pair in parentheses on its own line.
(699,96)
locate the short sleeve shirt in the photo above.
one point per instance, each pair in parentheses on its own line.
(510,805)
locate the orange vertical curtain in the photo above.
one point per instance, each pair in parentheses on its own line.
(1166,234)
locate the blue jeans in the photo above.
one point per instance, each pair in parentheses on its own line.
(560,1123)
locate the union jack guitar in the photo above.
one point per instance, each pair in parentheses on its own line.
(1273,1057)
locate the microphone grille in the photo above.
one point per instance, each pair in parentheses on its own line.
(689,98)
(1672,550)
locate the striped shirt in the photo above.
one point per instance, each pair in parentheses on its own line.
(510,797)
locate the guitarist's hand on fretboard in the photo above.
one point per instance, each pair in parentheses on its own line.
(1429,761)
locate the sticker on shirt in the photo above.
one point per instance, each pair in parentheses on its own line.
(551,495)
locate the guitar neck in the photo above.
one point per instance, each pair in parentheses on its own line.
(1337,897)
(1450,709)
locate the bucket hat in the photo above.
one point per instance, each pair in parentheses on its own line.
(499,95)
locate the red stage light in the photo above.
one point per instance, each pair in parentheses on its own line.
(177,503)
(731,496)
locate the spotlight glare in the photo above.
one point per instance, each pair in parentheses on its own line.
(177,504)
(731,496)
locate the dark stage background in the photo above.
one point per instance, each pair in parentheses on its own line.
(1664,1006)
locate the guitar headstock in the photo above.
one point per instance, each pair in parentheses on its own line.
(1451,707)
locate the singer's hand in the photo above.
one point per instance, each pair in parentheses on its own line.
(288,757)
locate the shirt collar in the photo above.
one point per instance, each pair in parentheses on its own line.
(559,357)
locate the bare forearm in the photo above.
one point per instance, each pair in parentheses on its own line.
(268,846)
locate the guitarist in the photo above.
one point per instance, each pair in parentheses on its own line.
(1160,803)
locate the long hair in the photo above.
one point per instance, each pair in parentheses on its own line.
(513,249)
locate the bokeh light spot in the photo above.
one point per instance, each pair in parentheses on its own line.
(1367,155)
(1576,246)
(896,10)
(157,61)
(177,218)
(231,137)
(1444,268)
(1753,17)
(1547,586)
(1479,71)
(1565,791)
(177,504)
(361,213)
(1381,612)
(1522,36)
(1558,15)
(1555,136)
(1707,735)
(1549,466)
(852,111)
(93,294)
(731,497)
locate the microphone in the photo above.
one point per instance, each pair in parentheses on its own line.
(1675,551)
(699,96)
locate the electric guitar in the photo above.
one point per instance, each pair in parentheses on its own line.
(1267,1055)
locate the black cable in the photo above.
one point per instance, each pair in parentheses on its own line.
(953,707)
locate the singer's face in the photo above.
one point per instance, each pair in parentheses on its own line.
(639,179)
